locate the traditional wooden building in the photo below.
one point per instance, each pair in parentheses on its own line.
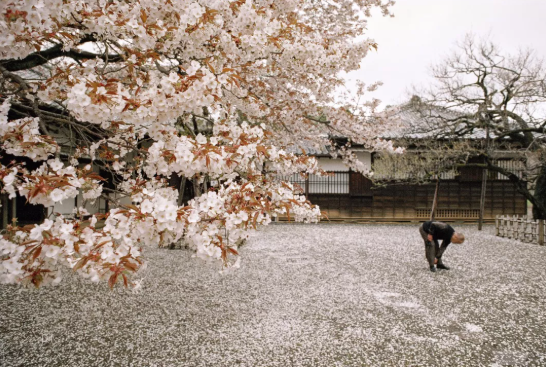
(348,195)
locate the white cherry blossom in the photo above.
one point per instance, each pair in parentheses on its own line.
(148,92)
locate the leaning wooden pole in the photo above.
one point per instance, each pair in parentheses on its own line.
(484,181)
(435,201)
(482,199)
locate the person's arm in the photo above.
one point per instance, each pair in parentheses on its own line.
(442,248)
(431,231)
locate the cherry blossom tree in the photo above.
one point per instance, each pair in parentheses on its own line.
(159,91)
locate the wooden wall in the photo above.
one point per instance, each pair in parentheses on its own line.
(458,200)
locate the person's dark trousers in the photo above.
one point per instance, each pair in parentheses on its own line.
(432,249)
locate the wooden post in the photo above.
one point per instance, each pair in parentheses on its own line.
(514,227)
(435,201)
(484,180)
(541,232)
(482,199)
(529,232)
(520,229)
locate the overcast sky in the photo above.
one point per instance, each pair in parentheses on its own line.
(424,31)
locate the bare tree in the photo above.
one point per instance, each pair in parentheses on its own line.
(496,102)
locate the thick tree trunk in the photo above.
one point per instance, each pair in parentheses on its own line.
(14,211)
(178,182)
(181,190)
(196,188)
(540,194)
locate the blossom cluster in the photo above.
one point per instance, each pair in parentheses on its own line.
(219,221)
(208,91)
(234,148)
(242,53)
(22,137)
(51,183)
(37,255)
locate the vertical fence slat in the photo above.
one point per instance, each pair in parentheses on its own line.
(541,232)
(521,233)
(534,231)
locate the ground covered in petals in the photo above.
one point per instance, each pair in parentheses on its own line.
(306,295)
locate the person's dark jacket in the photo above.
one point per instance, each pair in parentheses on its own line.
(439,231)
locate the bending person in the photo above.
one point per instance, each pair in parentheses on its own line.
(433,231)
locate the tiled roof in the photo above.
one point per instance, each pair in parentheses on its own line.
(307,147)
(421,122)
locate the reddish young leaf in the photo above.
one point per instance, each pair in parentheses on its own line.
(112,280)
(36,252)
(81,263)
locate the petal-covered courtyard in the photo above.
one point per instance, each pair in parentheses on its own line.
(305,295)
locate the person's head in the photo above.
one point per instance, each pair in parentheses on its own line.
(457,237)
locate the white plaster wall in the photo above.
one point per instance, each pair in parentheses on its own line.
(124,200)
(91,208)
(331,164)
(65,208)
(366,158)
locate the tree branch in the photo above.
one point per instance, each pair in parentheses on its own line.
(43,57)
